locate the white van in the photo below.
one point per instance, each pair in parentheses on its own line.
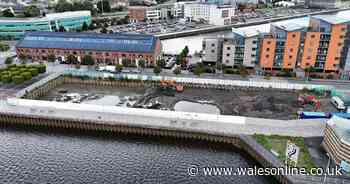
(338,103)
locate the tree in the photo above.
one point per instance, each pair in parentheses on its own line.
(104,30)
(243,71)
(199,69)
(4,47)
(51,58)
(8,61)
(63,5)
(104,6)
(177,71)
(88,60)
(71,59)
(31,11)
(22,58)
(142,63)
(85,27)
(5,78)
(7,13)
(61,29)
(125,62)
(118,68)
(157,70)
(160,63)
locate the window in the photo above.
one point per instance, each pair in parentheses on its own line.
(227,55)
(213,45)
(290,56)
(267,49)
(293,35)
(340,44)
(228,48)
(227,61)
(212,51)
(291,50)
(267,56)
(254,41)
(313,36)
(308,58)
(268,42)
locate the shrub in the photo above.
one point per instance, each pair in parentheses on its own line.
(40,67)
(34,71)
(5,78)
(8,61)
(27,75)
(18,79)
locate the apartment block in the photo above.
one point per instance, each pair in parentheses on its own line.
(280,48)
(242,48)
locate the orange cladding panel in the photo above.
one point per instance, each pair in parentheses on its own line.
(291,50)
(335,47)
(312,42)
(267,52)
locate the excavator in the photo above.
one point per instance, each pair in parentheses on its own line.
(303,100)
(170,85)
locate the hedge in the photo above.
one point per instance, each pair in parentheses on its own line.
(18,79)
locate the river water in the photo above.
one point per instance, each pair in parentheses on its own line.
(47,156)
(194,43)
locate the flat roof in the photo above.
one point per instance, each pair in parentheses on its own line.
(246,33)
(341,127)
(289,27)
(119,42)
(48,17)
(332,19)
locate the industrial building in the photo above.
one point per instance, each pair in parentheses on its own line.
(104,48)
(15,28)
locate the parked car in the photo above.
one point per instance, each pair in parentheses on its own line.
(338,103)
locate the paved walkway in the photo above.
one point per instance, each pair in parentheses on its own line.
(171,120)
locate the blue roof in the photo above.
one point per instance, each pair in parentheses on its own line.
(119,42)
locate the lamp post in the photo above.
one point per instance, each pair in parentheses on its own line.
(325,173)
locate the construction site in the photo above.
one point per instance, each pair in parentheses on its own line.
(169,95)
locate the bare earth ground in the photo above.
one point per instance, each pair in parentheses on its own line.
(266,103)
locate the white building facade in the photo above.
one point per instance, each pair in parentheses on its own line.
(211,13)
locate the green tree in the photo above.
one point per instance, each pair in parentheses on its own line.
(118,68)
(126,62)
(7,13)
(8,61)
(18,79)
(103,6)
(62,29)
(160,63)
(63,5)
(88,60)
(142,63)
(4,47)
(104,30)
(22,58)
(71,59)
(199,69)
(85,27)
(157,70)
(177,71)
(51,58)
(31,11)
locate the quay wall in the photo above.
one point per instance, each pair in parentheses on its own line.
(244,143)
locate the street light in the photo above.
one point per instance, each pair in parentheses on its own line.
(325,174)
